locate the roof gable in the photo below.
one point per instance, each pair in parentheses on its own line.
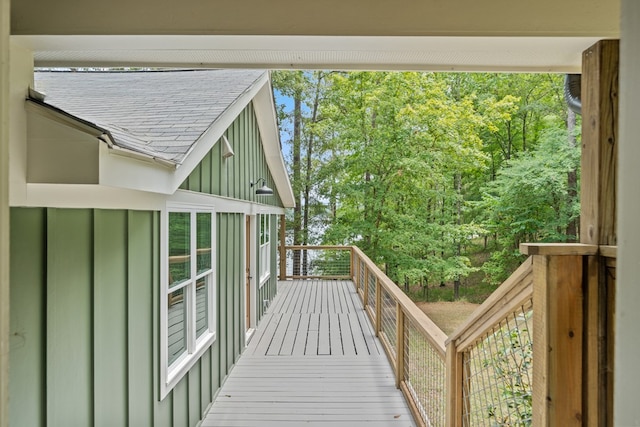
(157,132)
(158,113)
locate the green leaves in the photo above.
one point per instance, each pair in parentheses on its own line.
(413,167)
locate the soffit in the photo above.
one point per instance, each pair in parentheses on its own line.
(536,54)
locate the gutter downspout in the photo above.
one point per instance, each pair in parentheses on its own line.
(572,88)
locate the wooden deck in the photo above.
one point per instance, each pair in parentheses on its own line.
(314,360)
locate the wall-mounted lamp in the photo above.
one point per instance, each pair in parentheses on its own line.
(264,190)
(227,151)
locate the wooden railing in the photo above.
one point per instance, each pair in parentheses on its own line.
(315,262)
(489,358)
(414,344)
(537,352)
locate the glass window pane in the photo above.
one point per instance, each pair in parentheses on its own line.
(203,230)
(177,339)
(264,229)
(179,247)
(202,304)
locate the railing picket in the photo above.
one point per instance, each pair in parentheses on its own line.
(378,307)
(399,345)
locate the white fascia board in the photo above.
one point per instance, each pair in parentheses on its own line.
(77,196)
(224,204)
(123,169)
(268,124)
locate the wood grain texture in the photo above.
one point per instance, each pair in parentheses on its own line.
(454,366)
(598,219)
(557,342)
(508,297)
(599,143)
(558,249)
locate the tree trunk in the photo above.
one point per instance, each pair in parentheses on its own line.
(307,180)
(297,211)
(572,178)
(456,282)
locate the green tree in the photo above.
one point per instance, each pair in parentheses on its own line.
(529,200)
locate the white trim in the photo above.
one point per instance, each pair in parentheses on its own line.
(195,347)
(265,249)
(263,104)
(101,197)
(248,335)
(252,281)
(254,267)
(435,51)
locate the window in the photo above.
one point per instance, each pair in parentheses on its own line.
(188,291)
(265,248)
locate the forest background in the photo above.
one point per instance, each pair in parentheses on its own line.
(437,177)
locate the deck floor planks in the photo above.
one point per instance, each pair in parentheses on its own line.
(314,360)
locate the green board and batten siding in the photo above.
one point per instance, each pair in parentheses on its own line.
(232,177)
(84,323)
(85,291)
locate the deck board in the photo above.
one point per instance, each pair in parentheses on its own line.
(314,360)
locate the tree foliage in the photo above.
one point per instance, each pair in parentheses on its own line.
(415,167)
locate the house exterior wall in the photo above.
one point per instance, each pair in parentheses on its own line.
(4,212)
(627,339)
(232,177)
(59,154)
(84,320)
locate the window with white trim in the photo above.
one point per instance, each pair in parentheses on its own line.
(188,290)
(265,248)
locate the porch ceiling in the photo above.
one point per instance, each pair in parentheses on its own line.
(538,54)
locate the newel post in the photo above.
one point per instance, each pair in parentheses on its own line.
(454,363)
(283,251)
(598,198)
(558,328)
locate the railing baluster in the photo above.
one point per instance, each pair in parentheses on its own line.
(378,307)
(399,344)
(365,297)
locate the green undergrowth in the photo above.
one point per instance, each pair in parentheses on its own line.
(474,288)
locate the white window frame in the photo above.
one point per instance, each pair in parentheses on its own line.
(265,248)
(172,374)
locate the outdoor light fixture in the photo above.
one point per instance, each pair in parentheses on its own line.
(227,151)
(264,190)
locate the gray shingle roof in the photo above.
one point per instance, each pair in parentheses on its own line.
(159,113)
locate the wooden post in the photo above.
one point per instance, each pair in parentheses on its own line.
(283,251)
(598,220)
(399,345)
(557,340)
(599,143)
(352,269)
(378,308)
(365,294)
(454,364)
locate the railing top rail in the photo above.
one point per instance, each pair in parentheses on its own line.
(609,251)
(513,293)
(558,249)
(318,247)
(435,335)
